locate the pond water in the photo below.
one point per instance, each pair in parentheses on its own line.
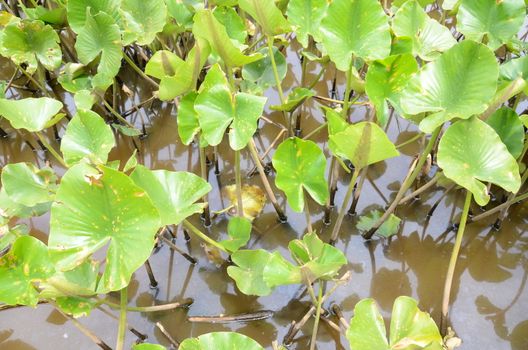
(489,297)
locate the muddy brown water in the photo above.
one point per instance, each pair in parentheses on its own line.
(489,298)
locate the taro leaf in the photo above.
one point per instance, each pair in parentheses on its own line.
(75,306)
(232,22)
(385,81)
(239,230)
(100,36)
(146,346)
(28,185)
(142,20)
(249,271)
(56,16)
(73,78)
(253,199)
(458,84)
(32,114)
(510,129)
(261,71)
(466,159)
(411,328)
(188,123)
(300,165)
(355,28)
(318,259)
(207,27)
(512,70)
(295,98)
(27,262)
(78,14)
(429,38)
(84,99)
(388,228)
(125,130)
(336,123)
(217,109)
(81,281)
(367,329)
(267,15)
(220,341)
(10,208)
(31,41)
(131,163)
(8,235)
(494,21)
(363,144)
(306,16)
(172,192)
(280,272)
(95,208)
(183,12)
(87,136)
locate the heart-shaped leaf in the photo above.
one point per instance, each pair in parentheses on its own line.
(510,129)
(497,21)
(306,16)
(458,84)
(172,192)
(300,165)
(429,38)
(355,28)
(28,185)
(142,20)
(94,208)
(239,230)
(367,329)
(388,228)
(77,11)
(232,22)
(267,15)
(87,136)
(363,144)
(32,114)
(220,341)
(467,160)
(26,263)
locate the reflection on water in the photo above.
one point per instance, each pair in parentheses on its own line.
(490,300)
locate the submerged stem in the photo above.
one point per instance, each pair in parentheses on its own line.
(342,211)
(317,316)
(122,320)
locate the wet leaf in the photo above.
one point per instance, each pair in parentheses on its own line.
(267,15)
(496,21)
(429,38)
(300,166)
(32,114)
(510,129)
(142,20)
(94,208)
(239,230)
(220,341)
(88,137)
(458,84)
(468,161)
(261,71)
(389,228)
(295,98)
(26,263)
(253,199)
(363,144)
(306,16)
(28,185)
(367,20)
(172,192)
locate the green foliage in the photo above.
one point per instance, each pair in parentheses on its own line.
(142,20)
(388,228)
(261,71)
(27,185)
(267,15)
(239,230)
(295,98)
(79,11)
(510,129)
(306,16)
(220,341)
(32,114)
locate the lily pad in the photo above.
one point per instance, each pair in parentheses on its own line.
(306,16)
(458,84)
(220,341)
(267,15)
(32,114)
(239,230)
(28,185)
(172,192)
(467,160)
(388,228)
(300,166)
(295,98)
(510,129)
(98,207)
(367,21)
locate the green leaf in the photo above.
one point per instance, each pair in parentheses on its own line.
(336,123)
(131,163)
(388,228)
(267,15)
(125,130)
(81,281)
(363,144)
(239,230)
(306,16)
(78,14)
(146,346)
(232,22)
(249,271)
(73,78)
(510,129)
(8,235)
(77,307)
(95,208)
(100,36)
(87,136)
(458,84)
(28,185)
(367,21)
(31,41)
(385,80)
(411,328)
(26,263)
(429,38)
(367,329)
(10,208)
(295,98)
(319,260)
(172,192)
(56,16)
(188,123)
(280,272)
(207,27)
(32,114)
(84,99)
(496,22)
(466,159)
(217,109)
(261,71)
(220,341)
(142,20)
(300,166)
(512,70)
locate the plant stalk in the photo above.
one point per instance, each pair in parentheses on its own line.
(317,316)
(203,236)
(278,81)
(205,198)
(238,182)
(139,71)
(51,150)
(122,320)
(342,211)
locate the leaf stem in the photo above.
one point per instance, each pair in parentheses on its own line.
(238,182)
(344,206)
(453,261)
(278,81)
(205,198)
(203,236)
(51,150)
(317,316)
(115,113)
(122,320)
(346,98)
(508,92)
(139,71)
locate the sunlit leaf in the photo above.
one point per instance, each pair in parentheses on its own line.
(142,20)
(510,129)
(220,341)
(77,11)
(306,16)
(32,114)
(267,15)
(28,185)
(239,230)
(249,271)
(295,98)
